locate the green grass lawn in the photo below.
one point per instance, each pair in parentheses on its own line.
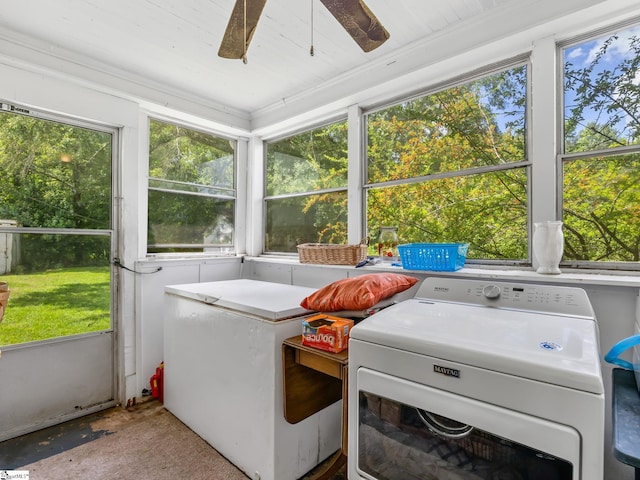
(56,303)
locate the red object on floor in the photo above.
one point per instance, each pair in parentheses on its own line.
(157,383)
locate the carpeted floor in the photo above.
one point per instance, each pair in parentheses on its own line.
(144,441)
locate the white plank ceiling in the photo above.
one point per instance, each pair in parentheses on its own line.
(171,45)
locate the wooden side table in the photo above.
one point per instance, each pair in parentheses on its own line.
(312,380)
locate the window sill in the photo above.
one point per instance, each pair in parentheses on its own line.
(567,277)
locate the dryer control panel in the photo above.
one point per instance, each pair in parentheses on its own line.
(550,299)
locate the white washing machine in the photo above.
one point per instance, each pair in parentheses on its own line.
(223,375)
(478,380)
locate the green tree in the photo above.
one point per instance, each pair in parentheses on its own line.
(191,199)
(608,94)
(55,176)
(433,146)
(306,166)
(601,194)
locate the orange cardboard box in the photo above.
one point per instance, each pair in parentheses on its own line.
(326,332)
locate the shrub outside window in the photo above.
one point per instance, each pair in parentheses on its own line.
(306,188)
(601,154)
(192,194)
(451,166)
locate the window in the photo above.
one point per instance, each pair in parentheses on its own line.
(56,237)
(601,150)
(451,166)
(306,188)
(192,192)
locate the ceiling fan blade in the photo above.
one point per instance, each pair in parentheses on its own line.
(359,22)
(235,43)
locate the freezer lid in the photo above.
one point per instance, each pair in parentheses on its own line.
(269,300)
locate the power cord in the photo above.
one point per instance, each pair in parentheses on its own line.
(116,262)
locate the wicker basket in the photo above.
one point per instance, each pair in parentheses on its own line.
(329,254)
(4,298)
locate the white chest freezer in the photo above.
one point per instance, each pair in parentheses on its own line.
(223,375)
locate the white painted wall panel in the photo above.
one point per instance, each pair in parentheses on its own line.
(315,277)
(49,382)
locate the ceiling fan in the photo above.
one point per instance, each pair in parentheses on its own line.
(354,16)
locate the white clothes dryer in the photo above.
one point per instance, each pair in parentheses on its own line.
(475,379)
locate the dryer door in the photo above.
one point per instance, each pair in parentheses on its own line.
(412,431)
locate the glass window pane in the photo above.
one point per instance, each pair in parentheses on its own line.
(310,161)
(488,211)
(59,284)
(312,218)
(472,125)
(181,222)
(186,155)
(54,175)
(602,209)
(601,101)
(191,191)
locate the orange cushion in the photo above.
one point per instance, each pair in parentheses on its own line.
(356,293)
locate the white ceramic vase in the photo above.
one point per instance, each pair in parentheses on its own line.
(548,245)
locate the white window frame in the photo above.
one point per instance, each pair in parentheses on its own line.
(544,131)
(239,242)
(526,163)
(266,198)
(561,155)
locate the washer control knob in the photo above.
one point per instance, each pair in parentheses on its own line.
(491,291)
